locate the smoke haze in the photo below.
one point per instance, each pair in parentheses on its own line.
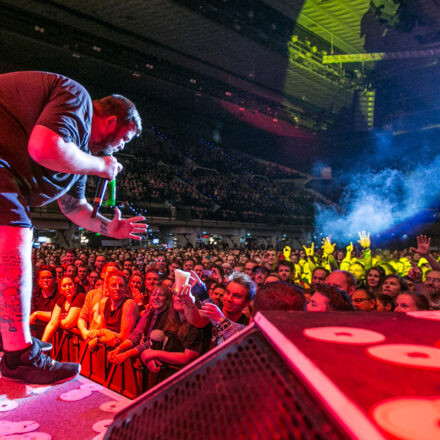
(375,199)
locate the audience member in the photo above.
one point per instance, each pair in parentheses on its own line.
(329,298)
(67,307)
(140,339)
(89,315)
(374,279)
(285,271)
(384,303)
(117,313)
(279,296)
(136,289)
(393,285)
(260,274)
(432,284)
(364,299)
(410,301)
(319,276)
(342,279)
(44,296)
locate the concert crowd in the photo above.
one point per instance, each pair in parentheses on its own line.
(131,299)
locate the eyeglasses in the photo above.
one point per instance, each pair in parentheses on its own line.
(433,280)
(46,278)
(359,300)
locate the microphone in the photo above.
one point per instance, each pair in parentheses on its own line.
(99,196)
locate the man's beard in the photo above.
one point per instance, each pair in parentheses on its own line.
(434,293)
(103,148)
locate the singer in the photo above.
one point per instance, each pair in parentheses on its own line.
(52,135)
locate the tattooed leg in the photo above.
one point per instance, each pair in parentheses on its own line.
(15,286)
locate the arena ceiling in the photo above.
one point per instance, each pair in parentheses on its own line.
(264,55)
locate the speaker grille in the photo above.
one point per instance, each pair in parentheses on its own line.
(245,391)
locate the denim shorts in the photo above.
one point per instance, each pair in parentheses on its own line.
(14,209)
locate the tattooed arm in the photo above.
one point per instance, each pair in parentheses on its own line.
(79,211)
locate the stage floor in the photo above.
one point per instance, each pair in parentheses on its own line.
(79,410)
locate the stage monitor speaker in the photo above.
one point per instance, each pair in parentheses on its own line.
(272,381)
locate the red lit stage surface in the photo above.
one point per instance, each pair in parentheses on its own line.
(376,374)
(76,410)
(377,369)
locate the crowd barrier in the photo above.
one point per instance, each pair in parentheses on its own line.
(131,378)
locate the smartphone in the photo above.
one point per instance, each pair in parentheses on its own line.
(207,273)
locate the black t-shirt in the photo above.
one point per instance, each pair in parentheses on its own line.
(77,301)
(56,102)
(41,303)
(192,341)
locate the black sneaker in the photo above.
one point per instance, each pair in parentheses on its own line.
(39,369)
(45,346)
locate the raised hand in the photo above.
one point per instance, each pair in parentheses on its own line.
(194,279)
(212,312)
(423,245)
(286,252)
(327,246)
(186,296)
(415,274)
(309,251)
(349,248)
(364,239)
(137,296)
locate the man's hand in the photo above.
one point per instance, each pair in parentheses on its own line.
(153,366)
(309,251)
(147,355)
(364,239)
(93,334)
(93,344)
(121,357)
(286,252)
(125,228)
(327,246)
(415,274)
(423,244)
(349,248)
(186,297)
(212,312)
(194,279)
(112,355)
(110,168)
